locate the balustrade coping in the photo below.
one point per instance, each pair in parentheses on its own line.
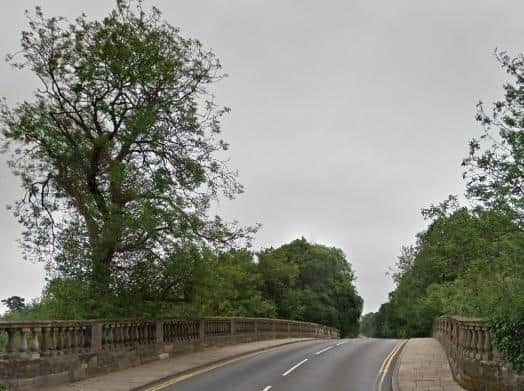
(87,322)
(462,319)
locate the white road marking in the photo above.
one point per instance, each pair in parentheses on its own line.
(294,367)
(324,350)
(341,343)
(267,388)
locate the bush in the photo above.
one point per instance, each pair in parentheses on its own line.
(508,339)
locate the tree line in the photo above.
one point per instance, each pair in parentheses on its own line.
(121,159)
(298,280)
(470,260)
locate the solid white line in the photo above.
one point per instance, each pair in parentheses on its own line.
(294,367)
(267,388)
(324,350)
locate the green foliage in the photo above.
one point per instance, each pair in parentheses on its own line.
(508,337)
(313,283)
(495,165)
(195,282)
(117,152)
(234,287)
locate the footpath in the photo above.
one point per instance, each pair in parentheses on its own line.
(154,371)
(423,366)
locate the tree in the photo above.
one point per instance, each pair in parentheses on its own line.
(313,283)
(495,165)
(117,152)
(14,303)
(233,287)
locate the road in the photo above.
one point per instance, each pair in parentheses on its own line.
(361,364)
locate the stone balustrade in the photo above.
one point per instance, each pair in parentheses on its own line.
(33,354)
(475,364)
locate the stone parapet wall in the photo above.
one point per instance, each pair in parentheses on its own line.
(475,363)
(34,354)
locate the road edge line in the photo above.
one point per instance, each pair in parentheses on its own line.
(394,375)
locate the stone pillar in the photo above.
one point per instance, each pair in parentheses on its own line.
(96,337)
(202,331)
(232,328)
(159,332)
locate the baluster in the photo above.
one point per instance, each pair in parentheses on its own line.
(24,331)
(80,339)
(466,341)
(137,333)
(123,334)
(131,334)
(488,348)
(70,341)
(460,339)
(473,342)
(44,348)
(128,334)
(115,328)
(73,339)
(480,343)
(11,338)
(145,330)
(119,335)
(109,336)
(52,341)
(35,343)
(65,344)
(142,330)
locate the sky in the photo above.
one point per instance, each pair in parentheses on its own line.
(347,118)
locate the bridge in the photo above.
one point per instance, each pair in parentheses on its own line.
(234,353)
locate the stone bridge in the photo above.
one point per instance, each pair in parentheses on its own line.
(33,354)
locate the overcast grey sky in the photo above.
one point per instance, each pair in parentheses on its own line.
(347,118)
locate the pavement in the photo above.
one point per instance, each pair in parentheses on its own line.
(423,366)
(361,364)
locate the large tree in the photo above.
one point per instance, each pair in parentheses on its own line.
(495,165)
(117,151)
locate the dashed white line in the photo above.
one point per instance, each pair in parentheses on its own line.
(341,343)
(294,367)
(267,388)
(324,350)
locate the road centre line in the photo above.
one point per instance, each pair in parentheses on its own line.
(178,379)
(267,388)
(341,343)
(294,367)
(324,350)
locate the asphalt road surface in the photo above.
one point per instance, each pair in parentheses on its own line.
(362,364)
